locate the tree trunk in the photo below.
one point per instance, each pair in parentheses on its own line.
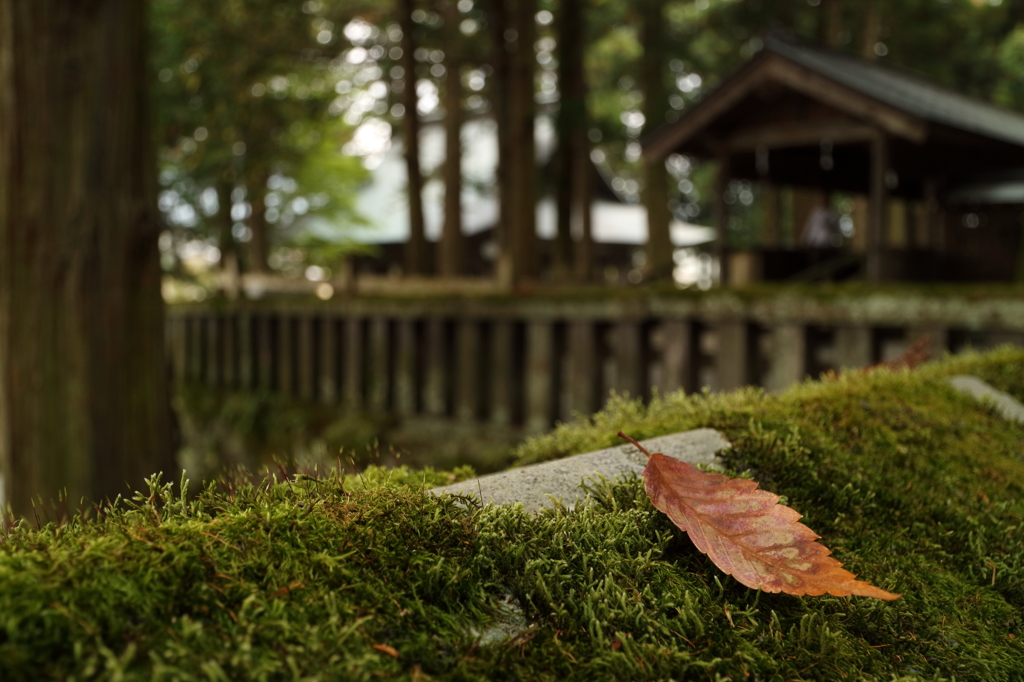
(259,244)
(522,156)
(655,193)
(451,247)
(499,104)
(83,381)
(571,120)
(225,240)
(416,249)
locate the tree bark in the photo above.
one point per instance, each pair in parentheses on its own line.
(259,244)
(83,383)
(572,120)
(225,240)
(416,249)
(522,155)
(499,104)
(655,193)
(451,247)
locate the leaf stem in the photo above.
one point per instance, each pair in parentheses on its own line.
(641,448)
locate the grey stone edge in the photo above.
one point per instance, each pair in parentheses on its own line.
(1008,406)
(538,486)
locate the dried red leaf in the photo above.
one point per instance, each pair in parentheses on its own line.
(918,353)
(385,649)
(746,532)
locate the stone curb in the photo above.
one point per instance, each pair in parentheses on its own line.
(538,485)
(1008,406)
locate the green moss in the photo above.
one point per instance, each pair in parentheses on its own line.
(916,487)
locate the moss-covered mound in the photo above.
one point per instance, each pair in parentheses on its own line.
(916,487)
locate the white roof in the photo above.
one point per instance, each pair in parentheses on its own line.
(383,200)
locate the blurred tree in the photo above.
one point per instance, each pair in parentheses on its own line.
(245,94)
(83,391)
(416,248)
(654,38)
(572,156)
(451,246)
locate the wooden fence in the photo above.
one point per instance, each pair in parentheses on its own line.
(536,360)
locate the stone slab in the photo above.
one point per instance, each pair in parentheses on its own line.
(538,485)
(1005,404)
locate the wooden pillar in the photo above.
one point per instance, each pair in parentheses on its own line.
(789,357)
(434,402)
(854,347)
(379,347)
(898,233)
(245,358)
(878,214)
(328,360)
(353,375)
(583,370)
(933,216)
(504,372)
(304,349)
(770,204)
(628,354)
(405,369)
(731,365)
(722,218)
(539,374)
(677,356)
(285,356)
(467,394)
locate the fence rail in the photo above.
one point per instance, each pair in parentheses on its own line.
(533,361)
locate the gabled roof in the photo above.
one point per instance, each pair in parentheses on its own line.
(906,92)
(895,102)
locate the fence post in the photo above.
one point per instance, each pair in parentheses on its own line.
(328,360)
(468,362)
(304,349)
(434,402)
(405,368)
(731,361)
(229,375)
(285,356)
(627,351)
(265,350)
(789,356)
(854,347)
(502,360)
(245,378)
(677,356)
(353,363)
(379,351)
(539,380)
(583,370)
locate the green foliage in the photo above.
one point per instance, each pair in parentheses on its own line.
(242,100)
(916,487)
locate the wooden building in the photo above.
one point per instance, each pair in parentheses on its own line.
(806,117)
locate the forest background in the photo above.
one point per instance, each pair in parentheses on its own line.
(272,114)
